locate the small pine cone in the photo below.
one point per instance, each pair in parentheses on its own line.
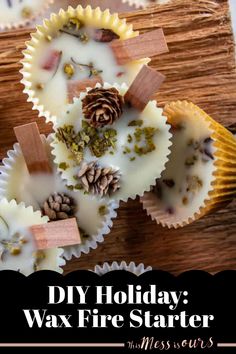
(58,206)
(97,180)
(102,107)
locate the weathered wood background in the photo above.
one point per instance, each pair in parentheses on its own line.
(200,67)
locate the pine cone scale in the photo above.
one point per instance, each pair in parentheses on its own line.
(97,180)
(58,207)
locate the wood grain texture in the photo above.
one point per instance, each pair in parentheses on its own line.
(59,233)
(148,44)
(33,149)
(142,89)
(200,67)
(209,244)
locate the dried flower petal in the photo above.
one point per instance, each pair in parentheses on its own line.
(104,35)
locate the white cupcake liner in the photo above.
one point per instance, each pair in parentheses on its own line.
(23,23)
(142,4)
(131,267)
(89,243)
(26,217)
(133,3)
(94,240)
(102,19)
(61,152)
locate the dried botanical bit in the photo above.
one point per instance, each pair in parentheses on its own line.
(83,233)
(26,12)
(120,73)
(90,66)
(59,206)
(84,37)
(147,146)
(102,210)
(129,138)
(135,123)
(74,22)
(132,158)
(78,187)
(14,245)
(52,60)
(208,154)
(73,28)
(190,161)
(170,210)
(39,86)
(2,252)
(190,142)
(101,143)
(158,190)
(38,256)
(69,70)
(194,184)
(169,182)
(48,38)
(102,107)
(95,72)
(74,25)
(15,251)
(70,188)
(98,180)
(98,142)
(104,35)
(63,166)
(73,142)
(4,229)
(177,127)
(185,201)
(23,240)
(208,140)
(194,144)
(126,150)
(207,149)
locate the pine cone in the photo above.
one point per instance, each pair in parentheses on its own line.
(102,106)
(58,207)
(97,180)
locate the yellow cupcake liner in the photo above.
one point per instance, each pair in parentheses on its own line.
(19,217)
(223,185)
(94,17)
(27,21)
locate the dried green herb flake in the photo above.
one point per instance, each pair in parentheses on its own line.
(135,123)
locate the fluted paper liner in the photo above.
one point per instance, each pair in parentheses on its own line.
(18,217)
(12,178)
(223,183)
(131,267)
(27,21)
(147,167)
(96,17)
(142,4)
(138,4)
